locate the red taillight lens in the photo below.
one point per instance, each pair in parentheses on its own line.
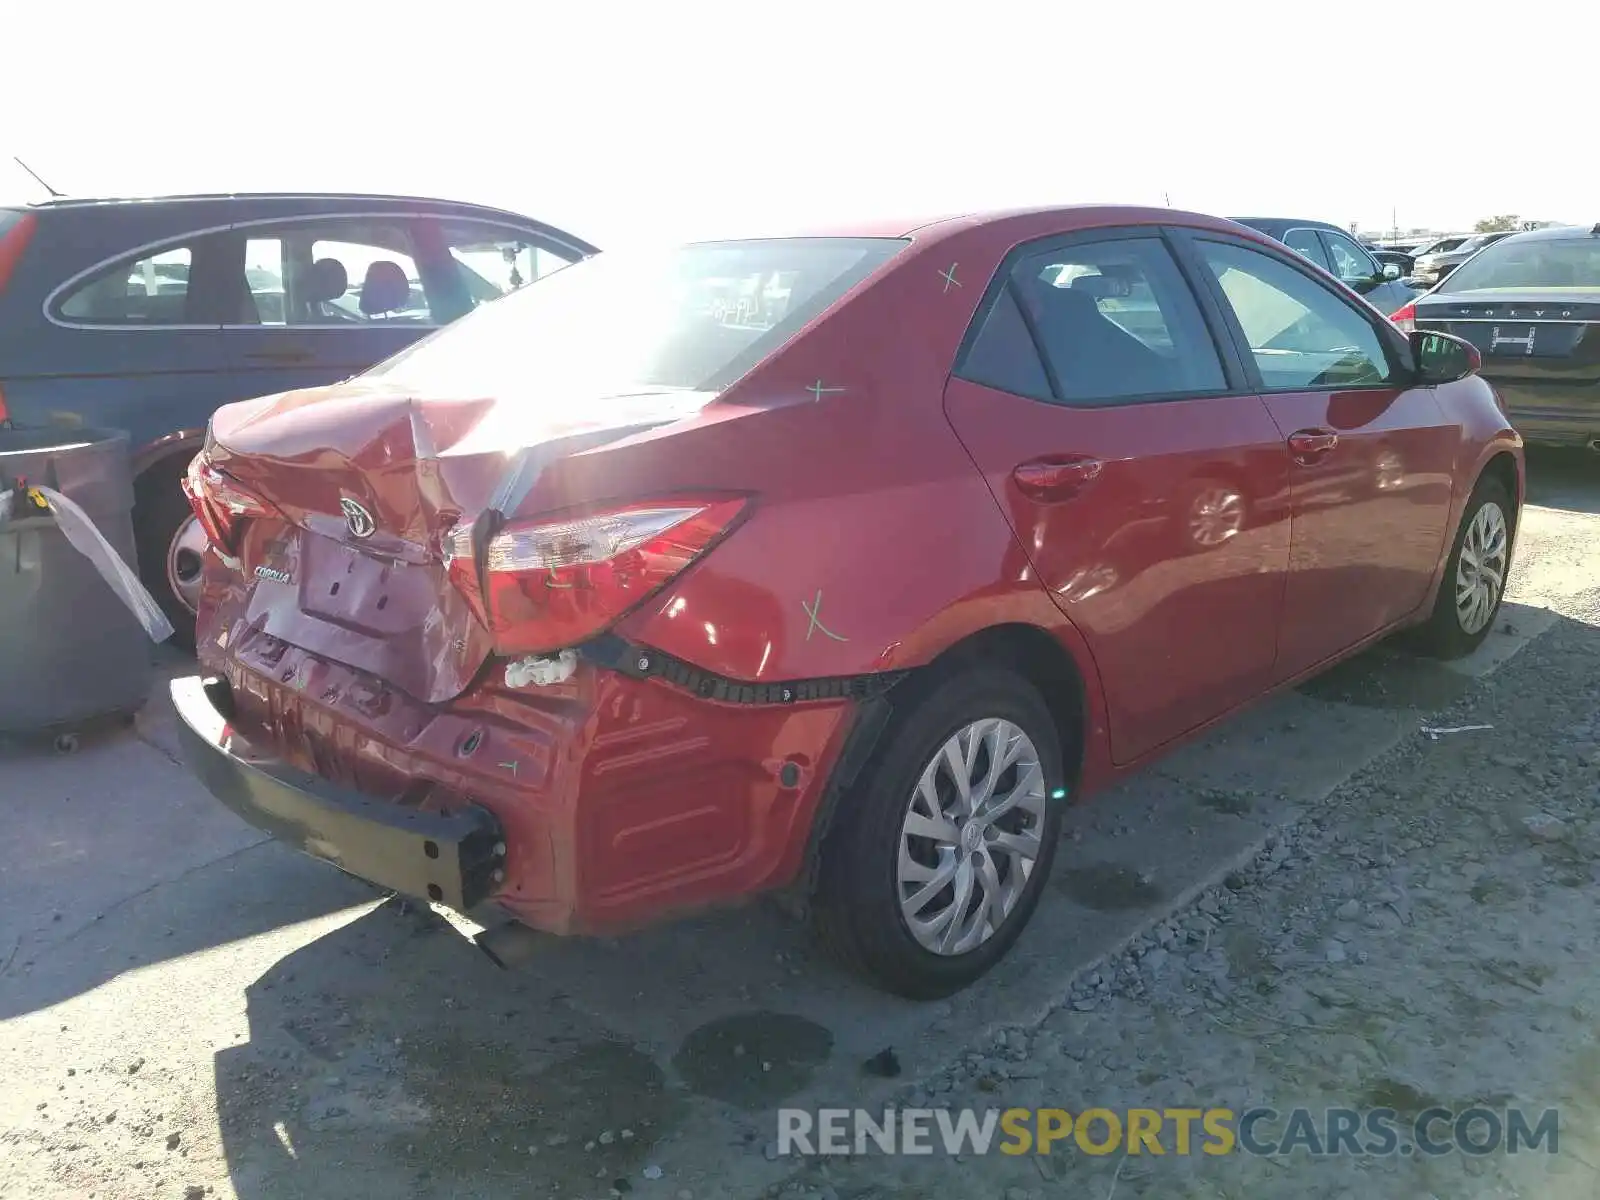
(220,504)
(1406,318)
(558,583)
(12,243)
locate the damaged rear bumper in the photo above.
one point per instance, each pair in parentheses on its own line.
(456,859)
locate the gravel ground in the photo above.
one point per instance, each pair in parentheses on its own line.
(1427,937)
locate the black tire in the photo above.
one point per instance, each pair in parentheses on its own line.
(855,910)
(159,509)
(1443,636)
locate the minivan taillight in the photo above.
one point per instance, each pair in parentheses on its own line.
(13,242)
(221,504)
(1406,318)
(552,584)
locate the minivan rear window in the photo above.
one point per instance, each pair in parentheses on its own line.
(693,317)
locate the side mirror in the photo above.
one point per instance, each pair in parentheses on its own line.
(1391,270)
(1443,358)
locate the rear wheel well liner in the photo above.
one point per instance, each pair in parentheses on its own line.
(1028,650)
(1503,466)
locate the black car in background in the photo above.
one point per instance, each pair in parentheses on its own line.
(148,314)
(1435,265)
(1530,303)
(1439,245)
(1392,255)
(1335,251)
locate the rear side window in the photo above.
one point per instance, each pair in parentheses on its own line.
(153,290)
(335,272)
(1003,355)
(1114,320)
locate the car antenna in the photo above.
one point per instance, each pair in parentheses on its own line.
(55,195)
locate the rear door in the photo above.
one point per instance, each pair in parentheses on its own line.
(1142,476)
(1372,457)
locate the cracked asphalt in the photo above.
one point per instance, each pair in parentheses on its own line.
(187,1010)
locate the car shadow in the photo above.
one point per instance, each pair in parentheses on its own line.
(117,858)
(1564,479)
(392,1057)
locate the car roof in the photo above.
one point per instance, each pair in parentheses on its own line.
(79,202)
(1554,233)
(1265,223)
(1067,216)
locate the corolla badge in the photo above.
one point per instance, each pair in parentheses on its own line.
(357,519)
(273,574)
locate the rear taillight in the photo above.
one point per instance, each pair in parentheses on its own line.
(221,505)
(554,584)
(12,243)
(1405,318)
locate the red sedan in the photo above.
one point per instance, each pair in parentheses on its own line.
(833,563)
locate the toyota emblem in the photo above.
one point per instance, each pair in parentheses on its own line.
(358,519)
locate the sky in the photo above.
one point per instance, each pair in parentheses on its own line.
(639,121)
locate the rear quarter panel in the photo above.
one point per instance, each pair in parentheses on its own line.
(1484,434)
(150,382)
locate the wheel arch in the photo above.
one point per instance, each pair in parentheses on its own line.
(180,444)
(1067,686)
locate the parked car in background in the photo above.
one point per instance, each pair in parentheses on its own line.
(596,619)
(1531,305)
(1393,256)
(1434,266)
(1440,245)
(146,315)
(1336,252)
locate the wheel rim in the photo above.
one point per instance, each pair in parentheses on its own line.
(185,556)
(971,837)
(1481,568)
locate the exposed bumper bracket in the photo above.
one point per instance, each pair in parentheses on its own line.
(456,859)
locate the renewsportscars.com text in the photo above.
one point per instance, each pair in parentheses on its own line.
(1374,1132)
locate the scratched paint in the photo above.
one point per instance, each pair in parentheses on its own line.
(949,276)
(814,611)
(818,390)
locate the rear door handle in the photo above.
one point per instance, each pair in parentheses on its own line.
(1309,445)
(1057,477)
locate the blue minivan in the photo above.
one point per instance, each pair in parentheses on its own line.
(147,315)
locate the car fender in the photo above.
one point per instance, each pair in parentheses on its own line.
(1485,434)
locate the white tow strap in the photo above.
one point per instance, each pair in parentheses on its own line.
(87,540)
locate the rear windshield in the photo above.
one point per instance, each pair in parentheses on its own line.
(694,317)
(1535,263)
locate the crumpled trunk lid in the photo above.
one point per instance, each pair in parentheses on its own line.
(368,478)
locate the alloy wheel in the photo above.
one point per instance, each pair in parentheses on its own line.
(1481,568)
(971,836)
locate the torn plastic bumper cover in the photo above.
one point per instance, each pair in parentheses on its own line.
(456,859)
